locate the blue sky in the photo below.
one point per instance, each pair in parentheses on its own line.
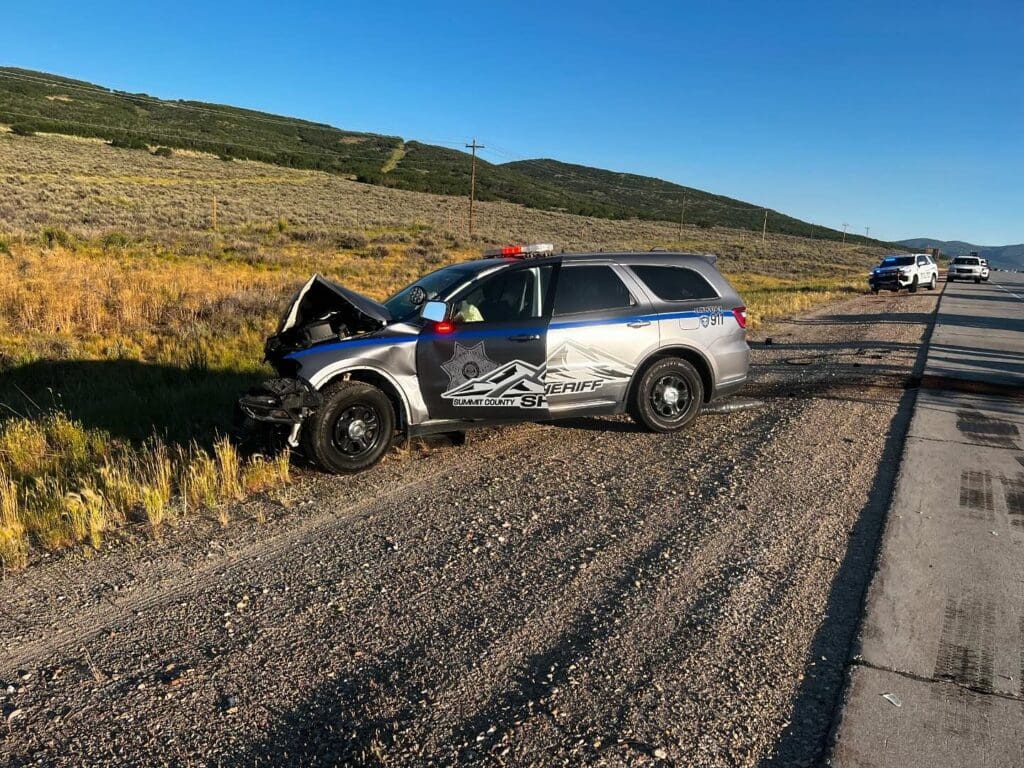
(904,117)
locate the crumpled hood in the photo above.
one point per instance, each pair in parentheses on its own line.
(324,311)
(319,296)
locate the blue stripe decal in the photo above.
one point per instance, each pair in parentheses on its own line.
(468,333)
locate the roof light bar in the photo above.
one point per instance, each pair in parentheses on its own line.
(522,251)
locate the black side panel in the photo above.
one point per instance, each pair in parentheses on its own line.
(491,371)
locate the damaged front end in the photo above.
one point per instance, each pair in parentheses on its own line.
(280,401)
(320,313)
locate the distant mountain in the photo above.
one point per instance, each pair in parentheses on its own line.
(1000,256)
(40,102)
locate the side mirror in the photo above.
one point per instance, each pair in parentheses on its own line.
(435,311)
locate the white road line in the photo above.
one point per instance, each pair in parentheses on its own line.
(1015,295)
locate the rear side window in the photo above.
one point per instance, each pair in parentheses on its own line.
(675,283)
(589,289)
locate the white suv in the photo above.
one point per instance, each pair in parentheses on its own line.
(900,270)
(967,268)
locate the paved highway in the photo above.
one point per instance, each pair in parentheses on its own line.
(938,679)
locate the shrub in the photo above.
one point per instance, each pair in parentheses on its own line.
(350,241)
(128,142)
(163,152)
(53,236)
(115,239)
(23,129)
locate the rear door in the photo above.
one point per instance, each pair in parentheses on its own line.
(602,327)
(490,364)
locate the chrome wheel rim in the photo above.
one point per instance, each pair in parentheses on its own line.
(670,396)
(356,430)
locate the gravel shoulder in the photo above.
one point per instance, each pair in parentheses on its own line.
(572,593)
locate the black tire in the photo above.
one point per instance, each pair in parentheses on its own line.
(932,283)
(351,430)
(977,280)
(913,286)
(648,405)
(874,291)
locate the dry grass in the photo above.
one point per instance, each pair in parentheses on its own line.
(128,327)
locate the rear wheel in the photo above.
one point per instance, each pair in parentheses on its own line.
(668,396)
(351,430)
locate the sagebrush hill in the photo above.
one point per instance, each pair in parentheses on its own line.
(39,102)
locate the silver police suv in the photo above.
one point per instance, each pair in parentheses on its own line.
(519,335)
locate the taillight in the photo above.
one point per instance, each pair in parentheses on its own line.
(444,327)
(740,313)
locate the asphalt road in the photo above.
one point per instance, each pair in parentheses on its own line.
(573,594)
(943,635)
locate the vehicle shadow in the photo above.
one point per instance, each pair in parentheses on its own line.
(598,424)
(814,714)
(130,400)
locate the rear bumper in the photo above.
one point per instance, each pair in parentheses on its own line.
(728,388)
(280,401)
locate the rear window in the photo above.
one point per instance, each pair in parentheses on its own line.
(589,289)
(967,260)
(675,283)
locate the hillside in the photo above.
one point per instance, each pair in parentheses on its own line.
(1000,256)
(39,102)
(663,200)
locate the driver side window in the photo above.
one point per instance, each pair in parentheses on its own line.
(511,295)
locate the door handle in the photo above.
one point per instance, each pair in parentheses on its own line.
(639,323)
(525,337)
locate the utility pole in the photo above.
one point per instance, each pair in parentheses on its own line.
(845,225)
(764,229)
(867,231)
(214,213)
(472,182)
(682,215)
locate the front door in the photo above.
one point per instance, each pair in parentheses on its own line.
(491,364)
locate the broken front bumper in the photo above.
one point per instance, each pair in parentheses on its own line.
(280,401)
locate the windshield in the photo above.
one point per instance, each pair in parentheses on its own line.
(435,284)
(897,261)
(966,260)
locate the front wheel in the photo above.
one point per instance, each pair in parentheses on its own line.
(932,283)
(668,396)
(977,280)
(913,286)
(351,430)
